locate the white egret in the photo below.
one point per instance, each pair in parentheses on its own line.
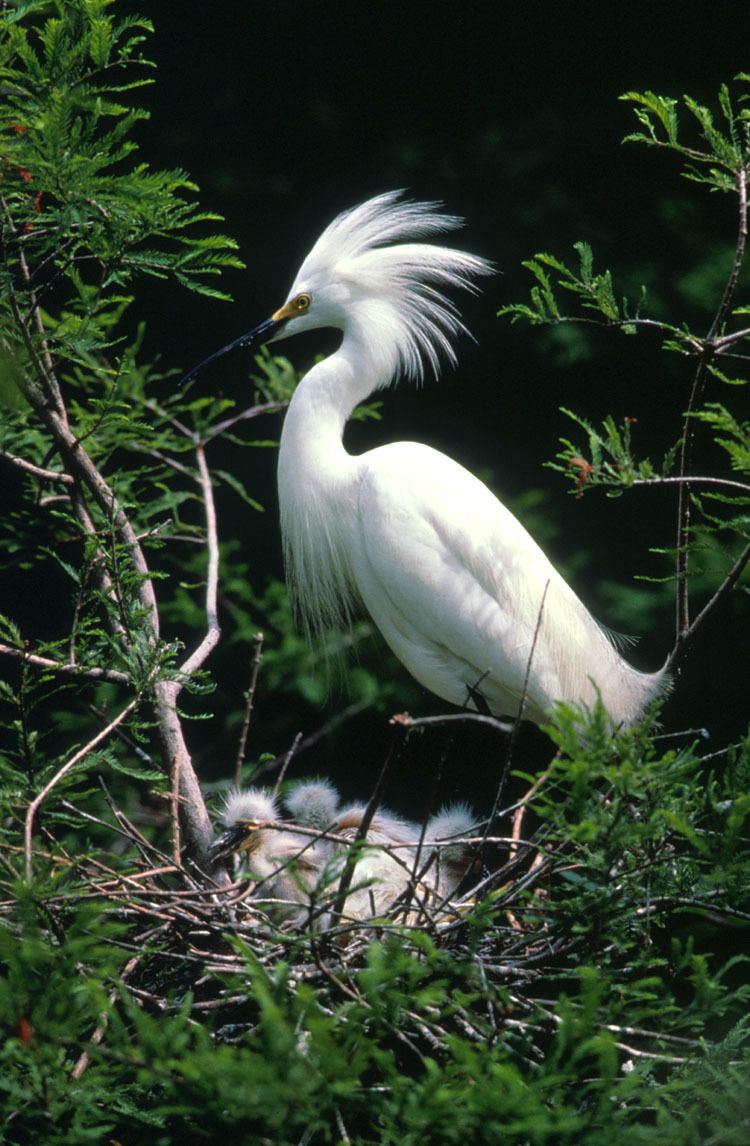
(462,594)
(298,871)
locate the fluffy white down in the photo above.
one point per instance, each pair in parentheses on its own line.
(298,874)
(456,585)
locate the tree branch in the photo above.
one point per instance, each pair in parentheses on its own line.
(62,772)
(36,471)
(92,672)
(213,631)
(726,587)
(682,603)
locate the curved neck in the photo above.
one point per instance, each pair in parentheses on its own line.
(318,488)
(325,398)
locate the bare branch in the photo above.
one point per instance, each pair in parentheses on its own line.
(36,471)
(244,416)
(739,255)
(682,602)
(726,483)
(213,632)
(247,715)
(92,672)
(726,587)
(407,721)
(36,803)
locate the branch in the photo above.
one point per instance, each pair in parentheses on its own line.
(174,749)
(682,603)
(720,344)
(245,415)
(743,487)
(37,471)
(739,255)
(726,587)
(213,631)
(93,672)
(249,697)
(62,772)
(407,721)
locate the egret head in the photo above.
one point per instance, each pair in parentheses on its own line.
(244,815)
(366,275)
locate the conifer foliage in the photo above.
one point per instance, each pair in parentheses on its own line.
(592,984)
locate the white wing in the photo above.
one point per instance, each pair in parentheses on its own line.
(459,589)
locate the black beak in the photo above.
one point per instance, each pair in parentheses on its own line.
(261,334)
(229,842)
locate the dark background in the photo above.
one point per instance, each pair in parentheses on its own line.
(509,114)
(287,113)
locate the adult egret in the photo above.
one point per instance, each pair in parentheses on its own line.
(460,591)
(298,872)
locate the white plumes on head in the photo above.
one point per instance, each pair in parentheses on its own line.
(455,820)
(399,282)
(257,804)
(368,277)
(313,803)
(385,826)
(452,860)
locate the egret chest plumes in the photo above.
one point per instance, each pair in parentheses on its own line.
(460,591)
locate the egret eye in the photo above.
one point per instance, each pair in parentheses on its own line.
(302,303)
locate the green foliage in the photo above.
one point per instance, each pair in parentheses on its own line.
(725,152)
(593,292)
(58,967)
(719,500)
(595,989)
(612,1009)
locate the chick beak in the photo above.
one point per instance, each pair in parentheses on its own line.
(229,842)
(262,333)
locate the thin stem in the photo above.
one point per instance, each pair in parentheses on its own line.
(36,471)
(407,721)
(726,586)
(739,255)
(213,630)
(247,715)
(251,412)
(517,722)
(92,672)
(688,431)
(62,773)
(726,483)
(362,830)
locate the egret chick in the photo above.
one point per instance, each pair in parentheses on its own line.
(297,870)
(462,594)
(452,860)
(313,803)
(288,865)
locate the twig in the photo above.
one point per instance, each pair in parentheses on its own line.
(213,631)
(726,483)
(739,254)
(519,716)
(686,442)
(36,471)
(287,761)
(252,412)
(98,1035)
(726,587)
(407,721)
(93,672)
(62,772)
(364,826)
(307,741)
(247,715)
